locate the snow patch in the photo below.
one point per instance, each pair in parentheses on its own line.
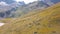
(3,3)
(1,24)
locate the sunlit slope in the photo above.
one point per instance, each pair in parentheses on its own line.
(45,22)
(7,20)
(39,11)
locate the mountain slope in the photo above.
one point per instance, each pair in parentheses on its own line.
(13,10)
(45,22)
(29,7)
(51,2)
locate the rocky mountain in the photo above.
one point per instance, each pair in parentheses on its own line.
(21,3)
(55,1)
(7,9)
(18,9)
(22,10)
(51,2)
(10,9)
(41,22)
(8,1)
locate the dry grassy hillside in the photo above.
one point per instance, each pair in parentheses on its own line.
(45,22)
